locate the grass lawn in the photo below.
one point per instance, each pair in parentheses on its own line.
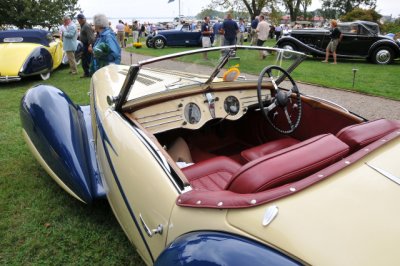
(40,224)
(370,78)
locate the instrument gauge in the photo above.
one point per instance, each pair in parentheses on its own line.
(192,113)
(231,105)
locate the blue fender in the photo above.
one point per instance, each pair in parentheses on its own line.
(218,248)
(61,132)
(162,37)
(39,61)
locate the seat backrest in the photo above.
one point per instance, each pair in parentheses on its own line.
(360,135)
(288,165)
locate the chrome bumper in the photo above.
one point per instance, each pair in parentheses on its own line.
(4,79)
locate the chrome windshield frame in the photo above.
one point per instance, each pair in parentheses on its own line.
(134,69)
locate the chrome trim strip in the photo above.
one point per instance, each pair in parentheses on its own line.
(385,173)
(158,119)
(167,112)
(326,101)
(160,124)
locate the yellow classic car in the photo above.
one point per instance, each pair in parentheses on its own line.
(28,52)
(222,161)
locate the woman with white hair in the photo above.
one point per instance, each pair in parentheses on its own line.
(106,49)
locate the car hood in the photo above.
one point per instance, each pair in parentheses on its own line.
(168,32)
(350,218)
(309,31)
(13,56)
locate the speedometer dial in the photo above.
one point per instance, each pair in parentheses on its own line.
(192,113)
(231,105)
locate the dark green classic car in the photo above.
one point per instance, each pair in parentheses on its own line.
(361,39)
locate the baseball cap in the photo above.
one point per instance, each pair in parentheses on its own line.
(81,16)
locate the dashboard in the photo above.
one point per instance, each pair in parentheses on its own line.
(192,112)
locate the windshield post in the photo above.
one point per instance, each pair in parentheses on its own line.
(222,63)
(126,87)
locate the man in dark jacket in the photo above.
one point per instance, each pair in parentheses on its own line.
(87,38)
(230,29)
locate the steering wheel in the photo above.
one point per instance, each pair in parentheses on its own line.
(280,101)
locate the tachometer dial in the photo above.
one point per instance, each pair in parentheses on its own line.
(192,113)
(231,105)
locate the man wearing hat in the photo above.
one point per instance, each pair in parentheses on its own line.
(87,39)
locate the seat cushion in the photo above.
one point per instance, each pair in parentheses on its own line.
(266,148)
(360,135)
(288,165)
(211,174)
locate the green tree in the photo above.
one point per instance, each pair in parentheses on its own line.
(293,6)
(392,27)
(253,7)
(29,13)
(362,14)
(345,6)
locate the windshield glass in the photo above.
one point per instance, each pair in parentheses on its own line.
(203,67)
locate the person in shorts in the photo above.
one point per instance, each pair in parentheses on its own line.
(336,37)
(206,32)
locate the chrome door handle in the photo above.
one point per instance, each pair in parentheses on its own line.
(151,232)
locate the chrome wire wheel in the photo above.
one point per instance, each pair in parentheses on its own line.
(159,43)
(45,76)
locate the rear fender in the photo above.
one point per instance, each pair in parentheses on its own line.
(39,61)
(218,248)
(386,42)
(60,135)
(302,47)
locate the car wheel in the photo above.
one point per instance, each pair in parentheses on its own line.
(150,43)
(288,46)
(159,43)
(45,76)
(383,55)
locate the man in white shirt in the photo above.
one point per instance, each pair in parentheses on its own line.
(242,29)
(120,33)
(262,31)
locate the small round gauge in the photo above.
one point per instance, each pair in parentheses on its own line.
(192,113)
(231,105)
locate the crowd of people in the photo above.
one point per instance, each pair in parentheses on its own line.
(100,45)
(230,32)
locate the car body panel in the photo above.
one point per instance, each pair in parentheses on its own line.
(355,206)
(122,189)
(13,57)
(63,143)
(361,42)
(323,218)
(27,53)
(182,36)
(216,248)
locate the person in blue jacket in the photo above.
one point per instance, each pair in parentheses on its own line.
(106,49)
(70,43)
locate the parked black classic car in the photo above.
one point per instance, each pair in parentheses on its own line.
(361,39)
(182,35)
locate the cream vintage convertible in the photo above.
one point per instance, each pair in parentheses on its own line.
(223,161)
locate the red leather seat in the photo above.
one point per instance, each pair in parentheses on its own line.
(267,148)
(360,135)
(288,165)
(211,174)
(269,171)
